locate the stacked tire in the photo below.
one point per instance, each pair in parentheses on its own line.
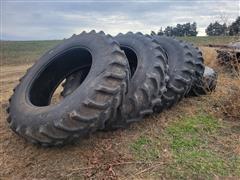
(110,82)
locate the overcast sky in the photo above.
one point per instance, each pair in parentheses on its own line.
(40,20)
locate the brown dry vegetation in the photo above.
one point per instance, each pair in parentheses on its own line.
(197,139)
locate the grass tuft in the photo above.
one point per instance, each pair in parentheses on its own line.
(197,163)
(189,141)
(144,148)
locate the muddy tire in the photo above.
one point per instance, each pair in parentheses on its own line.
(148,66)
(181,71)
(83,111)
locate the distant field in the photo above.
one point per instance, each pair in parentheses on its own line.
(206,40)
(22,52)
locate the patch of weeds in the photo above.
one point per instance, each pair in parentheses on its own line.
(188,133)
(144,148)
(188,142)
(197,163)
(235,165)
(183,143)
(191,148)
(194,125)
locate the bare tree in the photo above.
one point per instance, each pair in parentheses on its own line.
(224,18)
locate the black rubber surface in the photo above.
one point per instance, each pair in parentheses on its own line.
(148,79)
(83,111)
(181,71)
(199,70)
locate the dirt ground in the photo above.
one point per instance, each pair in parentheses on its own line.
(109,155)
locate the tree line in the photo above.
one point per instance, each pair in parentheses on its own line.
(213,29)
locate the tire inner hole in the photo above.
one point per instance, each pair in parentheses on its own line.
(75,79)
(132,59)
(46,86)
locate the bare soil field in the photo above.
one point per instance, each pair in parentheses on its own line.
(199,138)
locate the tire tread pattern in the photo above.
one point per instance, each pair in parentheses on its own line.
(63,131)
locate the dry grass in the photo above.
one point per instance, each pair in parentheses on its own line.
(228,92)
(197,139)
(226,99)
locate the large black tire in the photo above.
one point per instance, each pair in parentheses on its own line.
(148,79)
(87,108)
(148,67)
(181,71)
(207,84)
(199,70)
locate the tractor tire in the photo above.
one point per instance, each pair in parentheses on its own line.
(199,69)
(207,84)
(181,71)
(148,67)
(87,108)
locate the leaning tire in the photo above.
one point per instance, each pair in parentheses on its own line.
(181,71)
(83,111)
(148,79)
